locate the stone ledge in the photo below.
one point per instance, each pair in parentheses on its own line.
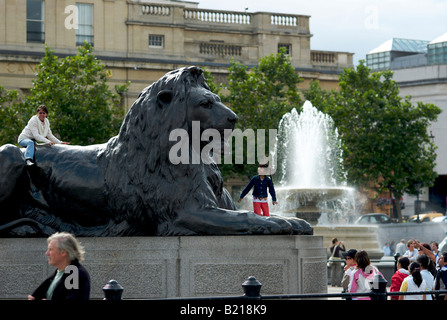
(167,267)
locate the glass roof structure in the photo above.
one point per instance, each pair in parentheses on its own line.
(382,57)
(399,53)
(440,39)
(402,45)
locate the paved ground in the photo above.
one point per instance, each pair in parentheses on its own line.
(331,289)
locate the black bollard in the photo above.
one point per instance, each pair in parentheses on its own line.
(113,290)
(378,287)
(252,288)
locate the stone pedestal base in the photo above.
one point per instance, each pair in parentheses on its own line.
(166,267)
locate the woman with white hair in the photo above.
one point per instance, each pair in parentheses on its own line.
(70,281)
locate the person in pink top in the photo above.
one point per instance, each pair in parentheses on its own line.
(362,278)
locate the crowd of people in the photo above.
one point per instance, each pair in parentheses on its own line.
(419,268)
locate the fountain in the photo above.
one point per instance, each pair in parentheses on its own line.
(311,181)
(310,169)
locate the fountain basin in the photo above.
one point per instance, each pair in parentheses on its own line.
(309,203)
(316,193)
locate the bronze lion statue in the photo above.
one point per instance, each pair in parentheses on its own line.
(128,186)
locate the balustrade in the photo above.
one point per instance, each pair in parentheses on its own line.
(323,57)
(218,16)
(229,17)
(281,20)
(220,49)
(156,10)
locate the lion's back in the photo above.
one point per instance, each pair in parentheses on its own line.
(71,172)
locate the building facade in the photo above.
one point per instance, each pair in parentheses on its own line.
(139,41)
(420,69)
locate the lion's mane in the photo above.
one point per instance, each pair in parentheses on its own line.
(143,186)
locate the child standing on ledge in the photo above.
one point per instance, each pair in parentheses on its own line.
(260,183)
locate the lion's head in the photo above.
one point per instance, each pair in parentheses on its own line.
(141,168)
(174,102)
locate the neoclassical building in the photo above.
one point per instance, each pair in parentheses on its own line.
(139,41)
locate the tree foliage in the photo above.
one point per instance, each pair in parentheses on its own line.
(214,87)
(385,138)
(9,117)
(82,108)
(260,96)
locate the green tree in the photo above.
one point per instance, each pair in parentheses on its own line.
(214,87)
(260,97)
(320,98)
(82,108)
(385,138)
(9,119)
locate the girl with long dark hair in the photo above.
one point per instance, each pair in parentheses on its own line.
(414,283)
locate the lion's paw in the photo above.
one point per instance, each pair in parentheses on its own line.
(293,225)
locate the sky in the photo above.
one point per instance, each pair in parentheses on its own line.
(355,26)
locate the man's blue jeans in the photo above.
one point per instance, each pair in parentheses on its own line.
(29,145)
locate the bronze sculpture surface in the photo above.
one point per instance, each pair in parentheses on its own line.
(128,186)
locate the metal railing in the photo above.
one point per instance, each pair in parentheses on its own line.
(252,291)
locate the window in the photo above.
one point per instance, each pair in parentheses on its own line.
(378,60)
(85,24)
(35,21)
(437,53)
(288,48)
(156,41)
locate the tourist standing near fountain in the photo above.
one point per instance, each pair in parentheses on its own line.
(411,253)
(335,250)
(260,183)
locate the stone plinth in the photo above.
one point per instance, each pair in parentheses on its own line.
(360,237)
(166,267)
